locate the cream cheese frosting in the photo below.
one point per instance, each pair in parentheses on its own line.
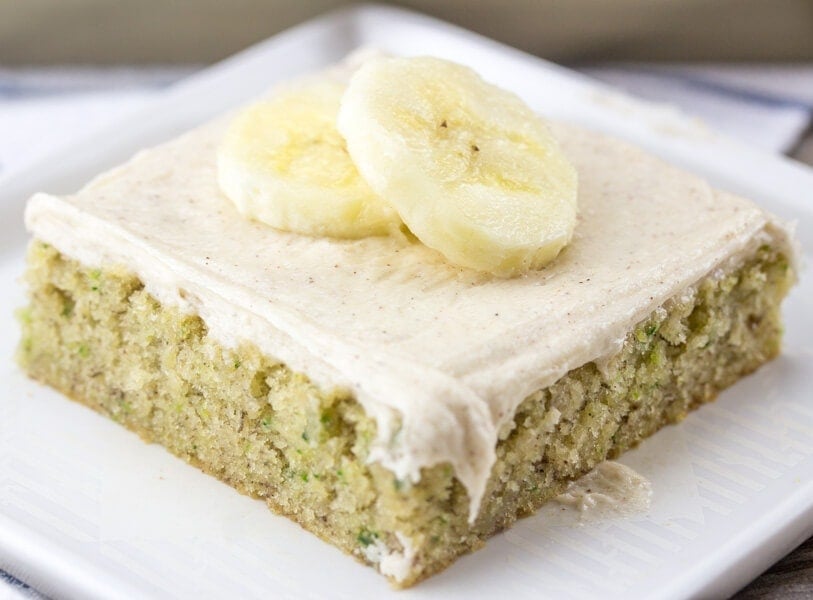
(440,357)
(609,491)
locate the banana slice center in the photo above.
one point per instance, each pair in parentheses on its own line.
(306,149)
(464,152)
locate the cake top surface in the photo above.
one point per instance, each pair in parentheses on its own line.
(440,356)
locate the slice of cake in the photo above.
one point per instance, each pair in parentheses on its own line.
(400,407)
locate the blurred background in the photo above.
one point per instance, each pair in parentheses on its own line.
(744,67)
(118,31)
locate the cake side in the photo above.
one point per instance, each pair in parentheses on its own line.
(101,338)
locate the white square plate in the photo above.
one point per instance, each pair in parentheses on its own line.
(87,510)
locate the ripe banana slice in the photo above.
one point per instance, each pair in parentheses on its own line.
(471,169)
(283,162)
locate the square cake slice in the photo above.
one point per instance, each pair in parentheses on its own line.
(396,406)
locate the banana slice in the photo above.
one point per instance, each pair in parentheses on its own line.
(472,171)
(283,162)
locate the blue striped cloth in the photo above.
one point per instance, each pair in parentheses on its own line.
(43,109)
(14,588)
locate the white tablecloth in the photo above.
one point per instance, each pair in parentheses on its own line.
(43,109)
